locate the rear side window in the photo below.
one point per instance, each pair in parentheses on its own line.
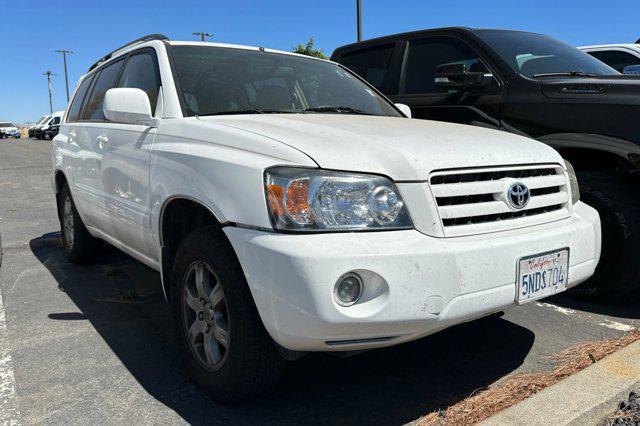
(372,63)
(616,59)
(106,80)
(140,72)
(76,104)
(425,55)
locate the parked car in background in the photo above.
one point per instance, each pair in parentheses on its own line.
(33,127)
(290,207)
(9,130)
(531,85)
(52,131)
(44,130)
(624,58)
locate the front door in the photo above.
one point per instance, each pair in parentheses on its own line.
(418,90)
(125,160)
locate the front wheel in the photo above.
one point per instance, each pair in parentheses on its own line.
(227,350)
(615,199)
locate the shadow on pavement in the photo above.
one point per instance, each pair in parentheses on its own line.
(123,301)
(621,308)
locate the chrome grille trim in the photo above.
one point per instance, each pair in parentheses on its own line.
(472,201)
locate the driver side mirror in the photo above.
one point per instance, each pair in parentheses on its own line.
(456,76)
(128,106)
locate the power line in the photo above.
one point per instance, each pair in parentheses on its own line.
(49,75)
(66,79)
(359,19)
(202,35)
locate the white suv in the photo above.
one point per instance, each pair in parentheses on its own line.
(625,58)
(290,207)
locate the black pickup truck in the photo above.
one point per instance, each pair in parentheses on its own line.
(536,86)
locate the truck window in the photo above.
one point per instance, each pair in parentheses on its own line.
(371,64)
(106,80)
(140,73)
(616,59)
(74,109)
(425,55)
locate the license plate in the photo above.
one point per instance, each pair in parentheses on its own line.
(542,275)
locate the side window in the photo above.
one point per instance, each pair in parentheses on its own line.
(371,64)
(55,121)
(105,80)
(76,104)
(140,73)
(616,59)
(425,55)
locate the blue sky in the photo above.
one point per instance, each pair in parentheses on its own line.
(32,30)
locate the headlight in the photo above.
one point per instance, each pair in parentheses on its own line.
(573,183)
(311,200)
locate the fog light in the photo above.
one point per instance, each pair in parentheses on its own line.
(348,289)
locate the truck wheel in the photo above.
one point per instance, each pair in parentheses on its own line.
(79,245)
(227,350)
(615,199)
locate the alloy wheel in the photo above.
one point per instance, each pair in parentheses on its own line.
(67,221)
(205,315)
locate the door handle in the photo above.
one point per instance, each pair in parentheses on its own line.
(102,141)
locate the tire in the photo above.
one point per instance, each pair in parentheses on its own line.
(615,198)
(249,363)
(79,245)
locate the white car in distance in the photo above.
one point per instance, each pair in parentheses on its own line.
(624,58)
(290,207)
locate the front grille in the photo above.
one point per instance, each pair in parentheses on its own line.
(473,201)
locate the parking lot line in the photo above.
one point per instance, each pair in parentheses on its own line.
(8,411)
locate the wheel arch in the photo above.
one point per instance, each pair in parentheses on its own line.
(590,152)
(178,216)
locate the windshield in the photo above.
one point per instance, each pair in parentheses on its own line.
(42,119)
(7,124)
(534,54)
(220,80)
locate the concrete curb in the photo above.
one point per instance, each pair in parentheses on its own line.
(585,398)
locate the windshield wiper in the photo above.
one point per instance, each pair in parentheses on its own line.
(240,111)
(565,74)
(246,111)
(338,109)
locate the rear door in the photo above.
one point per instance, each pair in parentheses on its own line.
(377,64)
(89,136)
(125,159)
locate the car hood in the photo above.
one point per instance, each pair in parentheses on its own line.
(610,89)
(9,129)
(400,148)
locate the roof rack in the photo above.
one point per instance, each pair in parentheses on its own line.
(136,41)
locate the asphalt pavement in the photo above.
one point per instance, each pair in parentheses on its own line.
(95,344)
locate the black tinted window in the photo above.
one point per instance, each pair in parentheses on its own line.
(371,64)
(106,80)
(140,73)
(616,59)
(426,54)
(533,54)
(76,104)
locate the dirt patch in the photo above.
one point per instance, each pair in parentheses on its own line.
(511,390)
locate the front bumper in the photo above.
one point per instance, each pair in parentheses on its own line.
(415,285)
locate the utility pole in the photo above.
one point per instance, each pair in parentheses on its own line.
(359,11)
(203,35)
(49,74)
(66,79)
